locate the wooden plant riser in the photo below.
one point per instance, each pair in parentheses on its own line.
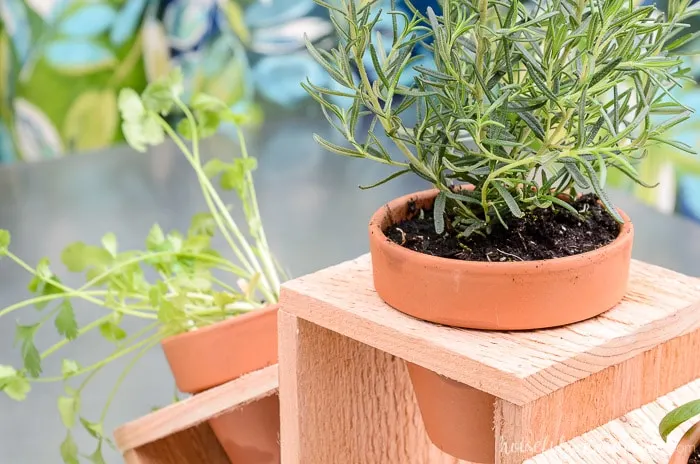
(179,433)
(346,397)
(631,439)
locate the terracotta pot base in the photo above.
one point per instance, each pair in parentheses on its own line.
(686,446)
(250,435)
(500,295)
(220,353)
(457,418)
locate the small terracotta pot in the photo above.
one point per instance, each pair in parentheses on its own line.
(496,296)
(457,418)
(216,354)
(686,446)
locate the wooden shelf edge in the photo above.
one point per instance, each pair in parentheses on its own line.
(633,438)
(661,305)
(197,409)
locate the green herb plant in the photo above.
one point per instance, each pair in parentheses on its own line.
(678,417)
(528,102)
(177,284)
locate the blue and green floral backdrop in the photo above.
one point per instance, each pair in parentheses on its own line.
(62,63)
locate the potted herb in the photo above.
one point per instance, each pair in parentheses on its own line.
(214,318)
(516,123)
(688,449)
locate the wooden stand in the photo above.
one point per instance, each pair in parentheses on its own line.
(346,397)
(179,433)
(633,438)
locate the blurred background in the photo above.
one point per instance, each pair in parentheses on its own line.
(66,175)
(62,63)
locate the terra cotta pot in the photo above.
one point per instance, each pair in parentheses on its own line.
(216,354)
(457,418)
(686,446)
(495,295)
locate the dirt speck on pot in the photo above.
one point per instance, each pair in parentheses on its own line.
(540,234)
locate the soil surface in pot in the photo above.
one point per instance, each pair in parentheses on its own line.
(541,234)
(695,457)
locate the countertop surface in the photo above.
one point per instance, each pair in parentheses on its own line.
(314,216)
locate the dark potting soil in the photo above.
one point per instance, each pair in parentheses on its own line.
(540,234)
(695,457)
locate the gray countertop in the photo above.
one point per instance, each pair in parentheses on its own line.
(314,216)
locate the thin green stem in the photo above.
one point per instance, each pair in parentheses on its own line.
(112,394)
(116,355)
(217,208)
(263,247)
(45,299)
(66,289)
(250,260)
(82,331)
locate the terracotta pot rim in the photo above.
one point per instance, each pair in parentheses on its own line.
(203,331)
(554,264)
(689,441)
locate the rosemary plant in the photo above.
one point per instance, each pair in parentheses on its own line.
(527,102)
(193,282)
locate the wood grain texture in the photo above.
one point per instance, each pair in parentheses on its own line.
(345,402)
(197,409)
(595,400)
(660,305)
(195,445)
(631,439)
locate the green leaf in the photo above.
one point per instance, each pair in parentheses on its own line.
(202,224)
(214,167)
(69,368)
(539,82)
(69,450)
(604,71)
(109,242)
(24,335)
(577,175)
(439,213)
(65,322)
(155,238)
(92,120)
(140,134)
(130,105)
(602,195)
(78,257)
(510,201)
(337,148)
(563,204)
(96,457)
(385,180)
(170,313)
(160,95)
(7,372)
(236,20)
(234,175)
(93,428)
(112,332)
(15,387)
(44,283)
(5,239)
(533,123)
(678,416)
(68,407)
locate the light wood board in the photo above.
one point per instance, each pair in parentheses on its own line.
(341,349)
(660,305)
(141,439)
(370,417)
(631,439)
